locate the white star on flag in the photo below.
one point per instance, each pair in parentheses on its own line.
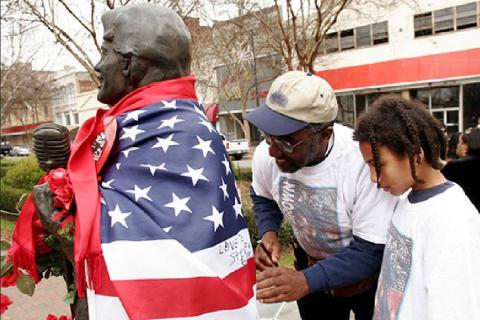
(140,193)
(117,165)
(170,104)
(238,208)
(165,143)
(207,125)
(216,218)
(118,216)
(127,151)
(178,204)
(223,187)
(167,229)
(170,122)
(107,184)
(133,115)
(131,133)
(226,163)
(204,146)
(195,175)
(154,168)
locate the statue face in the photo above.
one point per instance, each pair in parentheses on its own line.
(113,83)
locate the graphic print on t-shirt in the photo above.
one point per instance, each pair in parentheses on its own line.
(396,265)
(312,212)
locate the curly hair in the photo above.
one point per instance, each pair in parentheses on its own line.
(406,128)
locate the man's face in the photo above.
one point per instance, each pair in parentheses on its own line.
(113,83)
(310,147)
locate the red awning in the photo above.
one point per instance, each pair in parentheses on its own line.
(15,130)
(424,68)
(211,109)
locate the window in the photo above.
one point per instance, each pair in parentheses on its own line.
(446,20)
(66,116)
(443,20)
(380,32)
(345,113)
(347,39)
(363,36)
(471,110)
(423,24)
(331,42)
(445,97)
(75,118)
(466,16)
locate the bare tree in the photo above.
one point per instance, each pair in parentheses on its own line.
(74,24)
(25,94)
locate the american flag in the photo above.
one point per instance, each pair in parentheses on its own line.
(173,235)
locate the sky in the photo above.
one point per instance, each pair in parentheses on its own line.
(39,48)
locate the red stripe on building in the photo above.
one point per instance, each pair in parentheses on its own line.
(21,129)
(431,67)
(170,298)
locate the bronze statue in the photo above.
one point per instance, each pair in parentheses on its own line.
(134,54)
(145,53)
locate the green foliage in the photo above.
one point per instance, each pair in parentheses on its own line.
(4,245)
(286,260)
(10,196)
(5,165)
(24,174)
(5,266)
(285,234)
(6,227)
(242,174)
(26,284)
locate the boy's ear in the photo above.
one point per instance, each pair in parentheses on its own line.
(420,157)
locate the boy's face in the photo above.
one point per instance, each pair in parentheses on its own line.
(395,174)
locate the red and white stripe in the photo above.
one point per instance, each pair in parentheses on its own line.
(161,279)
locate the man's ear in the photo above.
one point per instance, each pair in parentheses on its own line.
(126,64)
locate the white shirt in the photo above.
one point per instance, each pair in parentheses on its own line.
(327,203)
(431,264)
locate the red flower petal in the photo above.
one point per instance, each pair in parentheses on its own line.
(4,303)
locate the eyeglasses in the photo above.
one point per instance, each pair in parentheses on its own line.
(283,145)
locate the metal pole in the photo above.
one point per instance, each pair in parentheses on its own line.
(257,103)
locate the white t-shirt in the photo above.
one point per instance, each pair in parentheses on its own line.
(431,264)
(328,202)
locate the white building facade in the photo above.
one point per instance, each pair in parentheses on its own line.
(429,50)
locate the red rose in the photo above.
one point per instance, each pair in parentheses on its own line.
(4,303)
(53,317)
(61,187)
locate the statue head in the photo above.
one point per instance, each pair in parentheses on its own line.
(142,43)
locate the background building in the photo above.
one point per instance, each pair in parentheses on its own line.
(68,86)
(428,51)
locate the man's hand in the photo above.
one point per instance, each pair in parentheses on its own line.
(281,284)
(270,258)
